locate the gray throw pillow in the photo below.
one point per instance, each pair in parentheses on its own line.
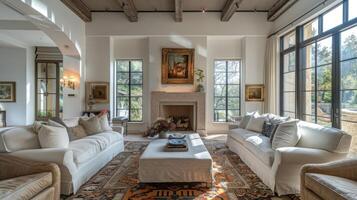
(269,129)
(244,122)
(76,133)
(91,125)
(286,135)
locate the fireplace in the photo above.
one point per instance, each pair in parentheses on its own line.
(189,105)
(182,116)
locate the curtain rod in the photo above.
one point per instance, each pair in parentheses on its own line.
(318,5)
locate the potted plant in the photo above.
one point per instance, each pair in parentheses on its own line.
(199,78)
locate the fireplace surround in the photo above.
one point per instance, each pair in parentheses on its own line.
(190,104)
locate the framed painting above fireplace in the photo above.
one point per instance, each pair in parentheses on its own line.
(177,66)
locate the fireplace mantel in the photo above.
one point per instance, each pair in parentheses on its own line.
(159,98)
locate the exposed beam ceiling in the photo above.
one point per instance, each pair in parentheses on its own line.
(178,10)
(129,9)
(279,8)
(229,9)
(79,8)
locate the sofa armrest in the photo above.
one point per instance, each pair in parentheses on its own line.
(62,157)
(300,155)
(12,166)
(343,168)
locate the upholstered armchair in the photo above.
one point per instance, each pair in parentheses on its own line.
(24,179)
(330,181)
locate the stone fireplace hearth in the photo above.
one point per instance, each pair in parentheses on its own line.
(189,105)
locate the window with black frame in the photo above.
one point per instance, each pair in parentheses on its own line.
(129,89)
(288,75)
(227,82)
(326,52)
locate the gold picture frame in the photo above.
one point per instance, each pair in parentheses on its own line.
(7,91)
(97,92)
(177,66)
(254,92)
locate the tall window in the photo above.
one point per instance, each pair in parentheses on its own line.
(227,82)
(129,89)
(288,76)
(326,62)
(48,89)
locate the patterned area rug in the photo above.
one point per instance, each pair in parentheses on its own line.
(119,180)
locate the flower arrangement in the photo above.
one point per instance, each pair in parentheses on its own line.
(199,78)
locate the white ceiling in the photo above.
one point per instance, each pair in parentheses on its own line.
(24,38)
(168,5)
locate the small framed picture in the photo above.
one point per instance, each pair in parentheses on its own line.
(7,91)
(97,92)
(254,92)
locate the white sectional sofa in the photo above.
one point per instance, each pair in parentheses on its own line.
(78,163)
(280,169)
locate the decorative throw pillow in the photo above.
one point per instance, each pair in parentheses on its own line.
(256,123)
(269,129)
(54,123)
(104,123)
(76,132)
(286,135)
(58,121)
(37,126)
(244,122)
(91,125)
(53,137)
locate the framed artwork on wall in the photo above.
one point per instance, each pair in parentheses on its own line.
(177,66)
(97,92)
(7,91)
(254,92)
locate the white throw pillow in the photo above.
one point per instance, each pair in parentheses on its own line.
(245,120)
(103,120)
(286,135)
(256,123)
(53,137)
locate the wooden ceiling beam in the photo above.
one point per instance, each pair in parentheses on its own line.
(79,8)
(229,9)
(279,8)
(178,10)
(129,9)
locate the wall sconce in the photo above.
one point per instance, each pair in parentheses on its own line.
(70,79)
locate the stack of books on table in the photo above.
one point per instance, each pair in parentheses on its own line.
(176,145)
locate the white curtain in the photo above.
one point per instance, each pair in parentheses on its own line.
(271,76)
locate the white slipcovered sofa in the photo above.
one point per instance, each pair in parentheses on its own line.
(78,163)
(280,169)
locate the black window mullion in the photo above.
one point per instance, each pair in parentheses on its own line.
(281,85)
(336,77)
(226,90)
(315,89)
(345,11)
(129,92)
(298,72)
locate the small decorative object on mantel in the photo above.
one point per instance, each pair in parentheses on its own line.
(254,92)
(177,66)
(7,91)
(200,76)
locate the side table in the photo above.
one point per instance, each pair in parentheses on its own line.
(122,121)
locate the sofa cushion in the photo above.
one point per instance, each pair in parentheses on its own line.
(319,137)
(25,187)
(17,138)
(240,135)
(260,146)
(76,132)
(86,148)
(331,187)
(256,143)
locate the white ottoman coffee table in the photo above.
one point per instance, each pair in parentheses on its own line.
(158,166)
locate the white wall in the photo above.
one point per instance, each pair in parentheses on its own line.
(13,68)
(30,85)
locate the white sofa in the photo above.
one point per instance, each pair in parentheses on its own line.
(78,163)
(280,169)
